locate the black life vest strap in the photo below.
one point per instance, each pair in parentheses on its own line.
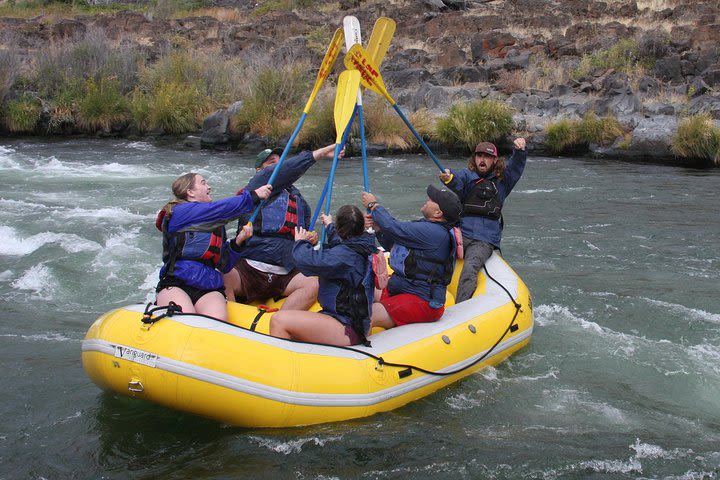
(262,310)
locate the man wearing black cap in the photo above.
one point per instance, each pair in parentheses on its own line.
(483,188)
(422,256)
(267,269)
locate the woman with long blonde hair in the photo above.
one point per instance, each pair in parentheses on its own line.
(195,247)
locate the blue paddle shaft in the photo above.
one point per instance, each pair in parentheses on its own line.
(279,163)
(363,149)
(346,134)
(331,178)
(419,138)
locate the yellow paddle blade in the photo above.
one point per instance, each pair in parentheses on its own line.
(357,59)
(326,65)
(380,39)
(345,98)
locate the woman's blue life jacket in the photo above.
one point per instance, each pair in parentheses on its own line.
(195,247)
(346,279)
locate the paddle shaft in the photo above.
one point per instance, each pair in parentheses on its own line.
(324,70)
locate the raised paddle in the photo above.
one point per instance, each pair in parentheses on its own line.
(351,25)
(378,45)
(323,72)
(345,98)
(357,58)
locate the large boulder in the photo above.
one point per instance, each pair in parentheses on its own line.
(216,131)
(652,137)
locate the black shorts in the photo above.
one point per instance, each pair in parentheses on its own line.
(256,285)
(195,294)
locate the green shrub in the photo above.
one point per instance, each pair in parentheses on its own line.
(102,106)
(697,137)
(600,131)
(22,114)
(63,107)
(65,65)
(563,135)
(207,72)
(319,127)
(280,5)
(486,120)
(275,100)
(173,107)
(571,135)
(384,126)
(627,56)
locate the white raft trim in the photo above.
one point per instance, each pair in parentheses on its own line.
(313,399)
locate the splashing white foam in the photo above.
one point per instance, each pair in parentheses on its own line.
(39,279)
(114,214)
(12,243)
(647,450)
(685,311)
(291,446)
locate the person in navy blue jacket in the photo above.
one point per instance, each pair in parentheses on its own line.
(267,268)
(195,245)
(483,188)
(346,279)
(422,256)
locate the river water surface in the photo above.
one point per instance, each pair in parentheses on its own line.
(621,379)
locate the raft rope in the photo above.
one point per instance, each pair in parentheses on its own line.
(173,309)
(408,367)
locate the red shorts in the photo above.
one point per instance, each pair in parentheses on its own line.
(407,308)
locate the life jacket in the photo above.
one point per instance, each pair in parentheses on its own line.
(279,216)
(412,264)
(483,200)
(203,247)
(354,301)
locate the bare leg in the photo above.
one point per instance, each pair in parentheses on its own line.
(301,293)
(232,284)
(308,327)
(212,304)
(177,295)
(380,317)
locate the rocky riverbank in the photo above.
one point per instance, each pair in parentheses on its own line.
(549,60)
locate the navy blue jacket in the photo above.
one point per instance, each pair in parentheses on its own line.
(336,265)
(205,217)
(483,228)
(428,239)
(277,250)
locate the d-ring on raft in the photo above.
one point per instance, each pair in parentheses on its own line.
(247,378)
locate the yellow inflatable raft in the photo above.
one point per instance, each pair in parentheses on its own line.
(247,378)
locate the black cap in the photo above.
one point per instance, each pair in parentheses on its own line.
(448,202)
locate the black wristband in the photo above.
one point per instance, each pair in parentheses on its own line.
(371,205)
(254,196)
